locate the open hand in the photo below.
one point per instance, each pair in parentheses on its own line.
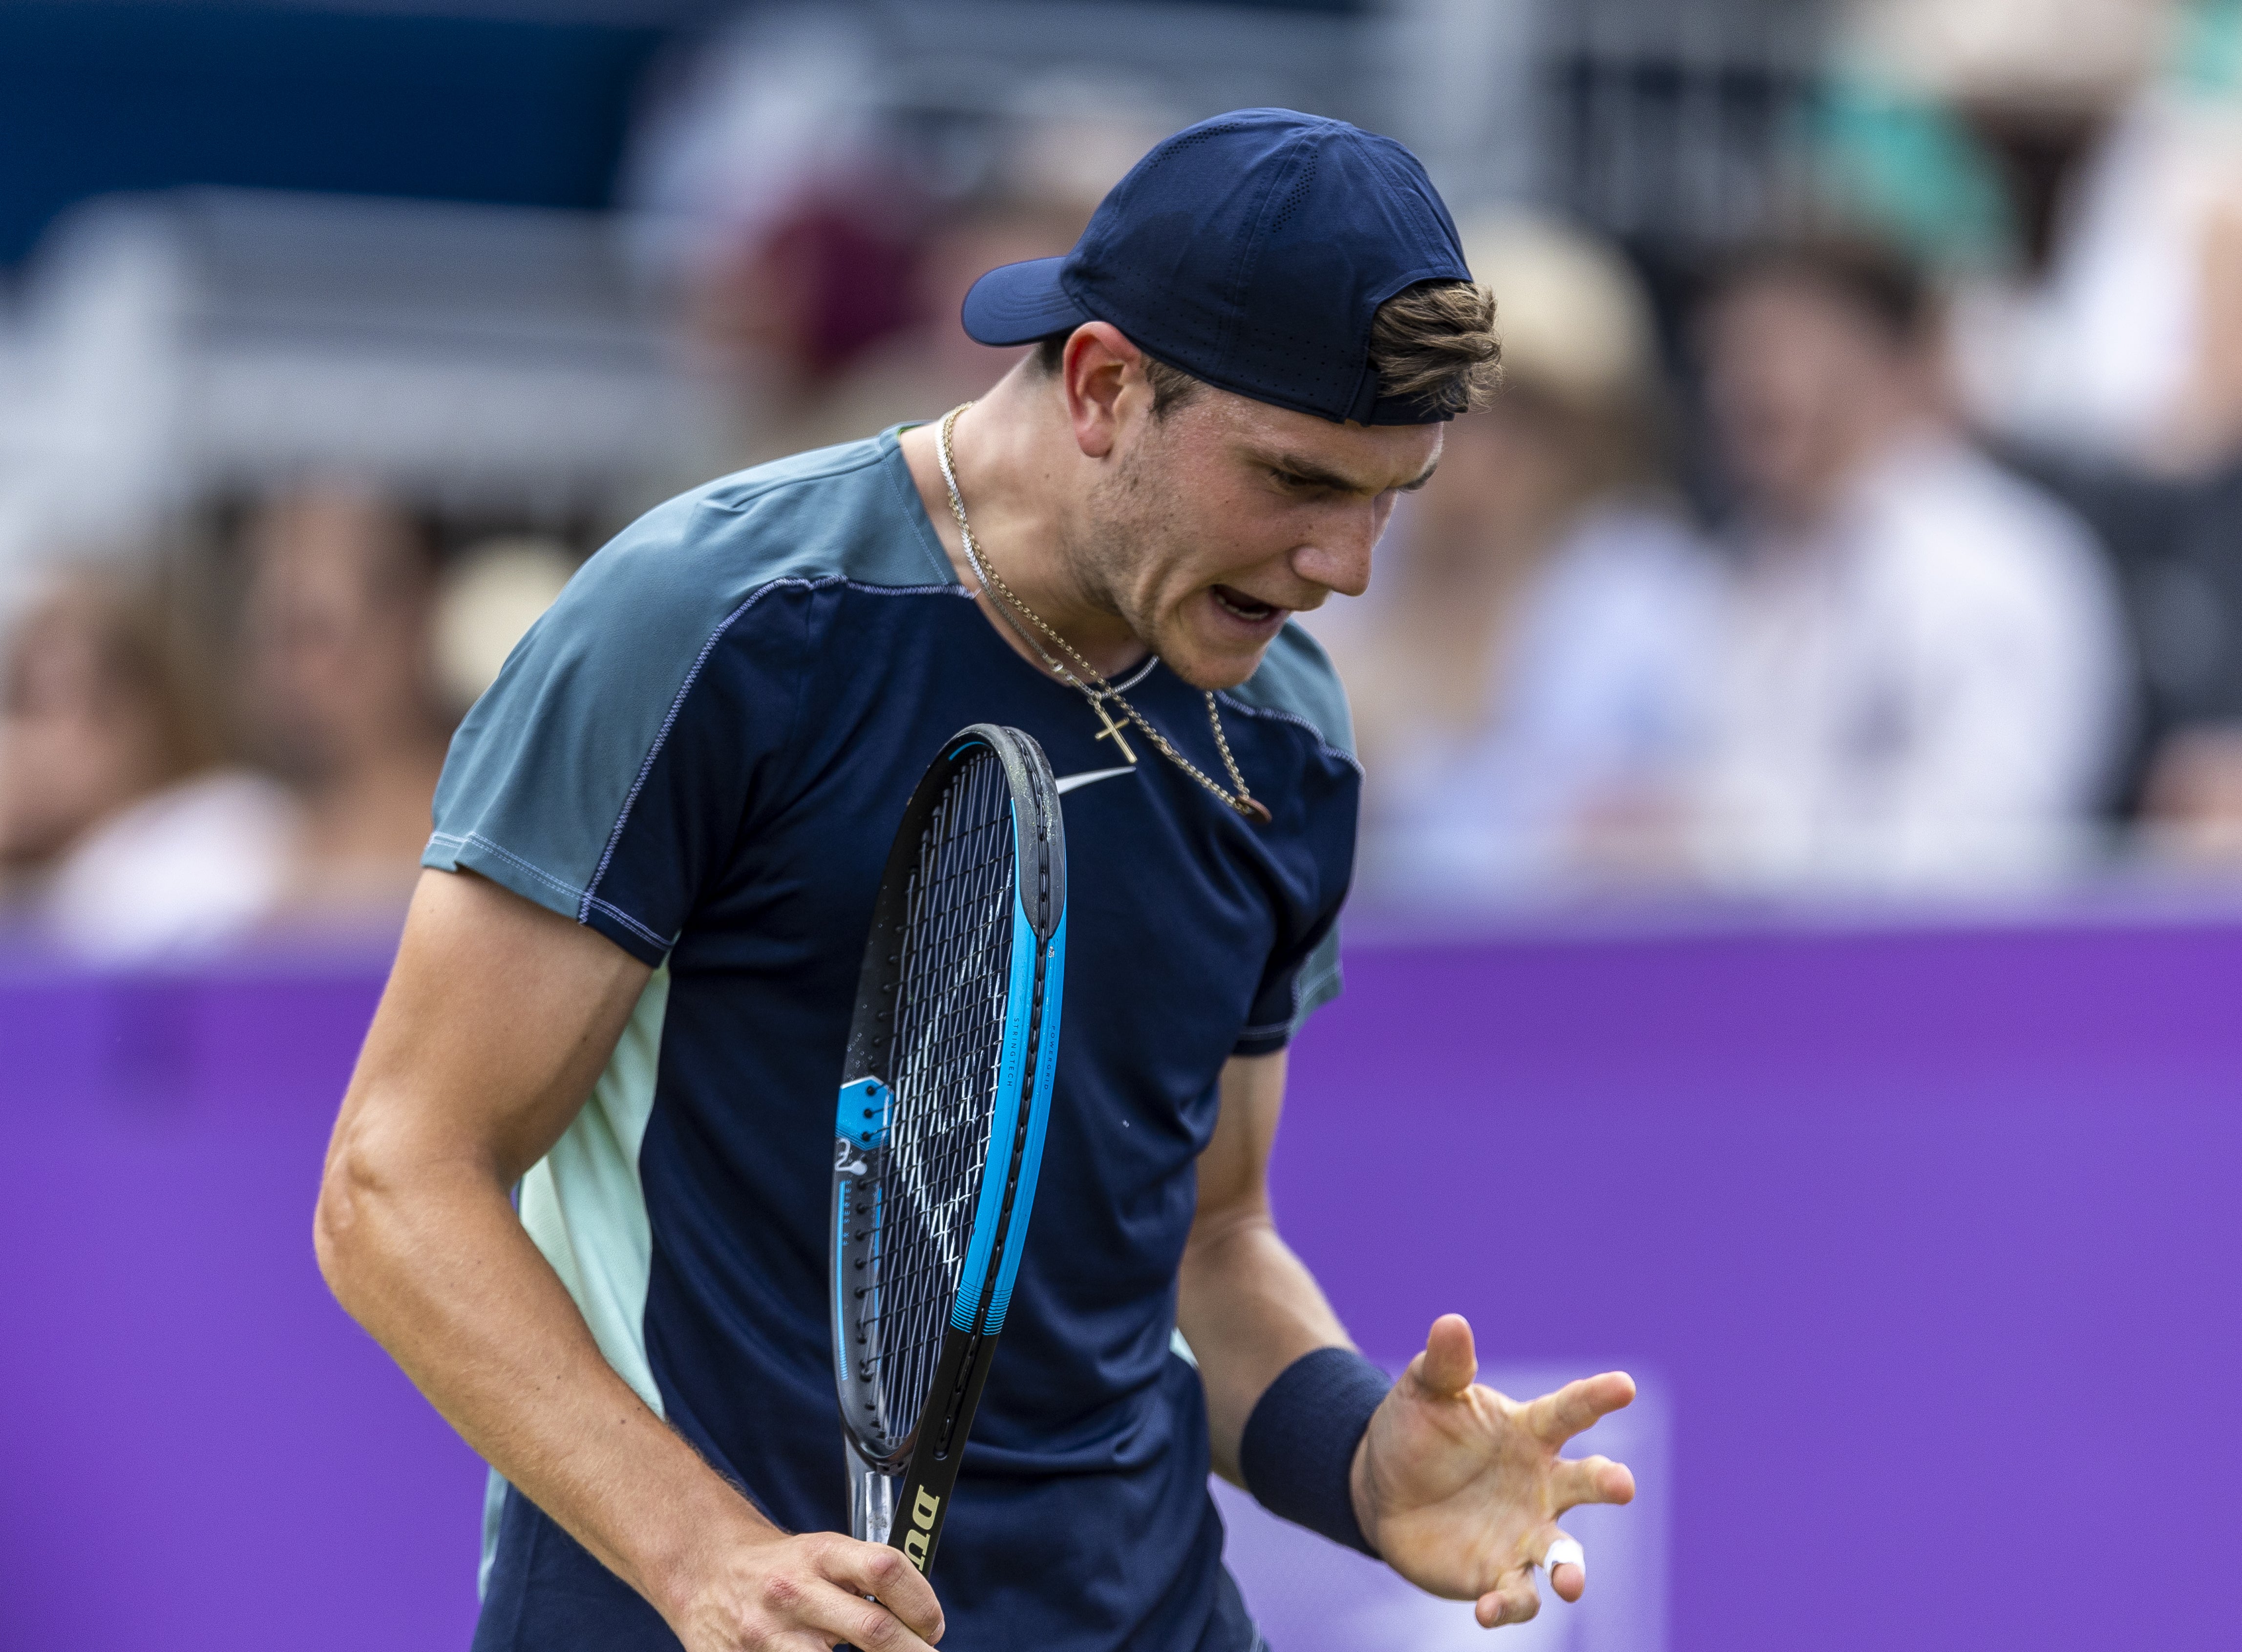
(1459,1487)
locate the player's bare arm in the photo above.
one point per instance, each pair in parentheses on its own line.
(1246,1304)
(1457,1487)
(497,1020)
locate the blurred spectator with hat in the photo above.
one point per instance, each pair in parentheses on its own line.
(1050,159)
(1527,669)
(487,598)
(2075,168)
(932,364)
(819,239)
(1923,676)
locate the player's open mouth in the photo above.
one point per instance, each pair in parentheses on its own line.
(1245,607)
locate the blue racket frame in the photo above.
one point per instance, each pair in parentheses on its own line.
(902,1470)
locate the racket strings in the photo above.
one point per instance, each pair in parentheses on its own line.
(950,1008)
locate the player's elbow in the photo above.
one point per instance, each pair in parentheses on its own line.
(1227,1237)
(358,1193)
(338,1222)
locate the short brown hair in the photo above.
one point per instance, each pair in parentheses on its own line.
(1434,343)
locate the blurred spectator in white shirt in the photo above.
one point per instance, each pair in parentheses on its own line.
(119,833)
(341,691)
(1526,667)
(1922,678)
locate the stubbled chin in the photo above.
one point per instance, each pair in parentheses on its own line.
(1212,648)
(1225,673)
(1204,665)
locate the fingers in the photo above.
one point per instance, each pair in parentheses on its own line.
(1449,1363)
(1568,1567)
(838,1615)
(798,1609)
(1555,1418)
(1512,1600)
(1590,1479)
(903,1614)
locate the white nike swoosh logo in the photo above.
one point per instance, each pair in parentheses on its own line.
(1067,783)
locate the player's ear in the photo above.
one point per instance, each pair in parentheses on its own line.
(1103,375)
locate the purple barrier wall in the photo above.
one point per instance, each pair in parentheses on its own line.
(1928,1241)
(198,1450)
(1931,1242)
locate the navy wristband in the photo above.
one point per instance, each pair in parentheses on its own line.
(1298,1447)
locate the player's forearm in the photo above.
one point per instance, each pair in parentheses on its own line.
(430,1257)
(1249,1307)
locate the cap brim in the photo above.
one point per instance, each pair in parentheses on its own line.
(1017,303)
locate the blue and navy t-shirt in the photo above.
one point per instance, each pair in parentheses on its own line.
(702,752)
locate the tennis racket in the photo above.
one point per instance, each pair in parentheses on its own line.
(939,1134)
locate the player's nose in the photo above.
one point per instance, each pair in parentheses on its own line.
(1337,558)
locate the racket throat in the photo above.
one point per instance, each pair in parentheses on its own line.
(922,1500)
(871,1500)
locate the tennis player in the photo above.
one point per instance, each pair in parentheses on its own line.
(625,983)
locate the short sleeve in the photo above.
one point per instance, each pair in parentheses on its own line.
(1293,989)
(1297,685)
(606,774)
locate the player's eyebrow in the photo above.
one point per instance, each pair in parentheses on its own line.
(1308,471)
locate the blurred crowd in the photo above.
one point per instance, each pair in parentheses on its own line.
(1896,550)
(177,772)
(1892,553)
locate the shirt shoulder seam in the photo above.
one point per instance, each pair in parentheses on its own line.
(1272,713)
(585,902)
(764,487)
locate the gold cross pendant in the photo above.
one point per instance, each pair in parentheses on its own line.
(1113,729)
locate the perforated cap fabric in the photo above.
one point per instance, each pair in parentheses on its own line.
(1251,251)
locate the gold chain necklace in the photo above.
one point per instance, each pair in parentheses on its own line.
(1242,800)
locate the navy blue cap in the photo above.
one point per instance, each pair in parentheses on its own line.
(1251,251)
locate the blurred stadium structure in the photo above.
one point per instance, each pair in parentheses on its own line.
(1676,124)
(207,343)
(188,345)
